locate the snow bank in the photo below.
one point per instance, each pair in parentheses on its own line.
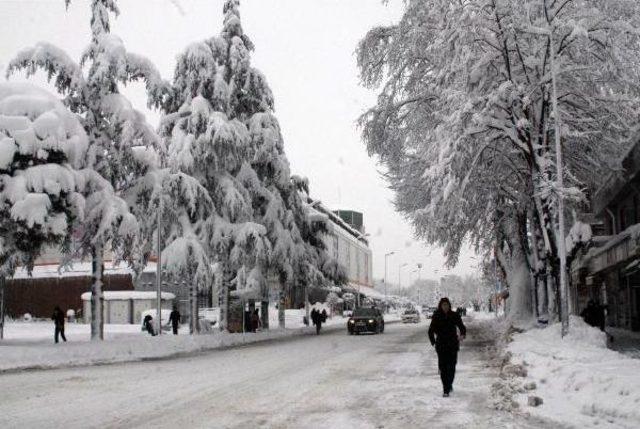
(30,345)
(582,383)
(129,345)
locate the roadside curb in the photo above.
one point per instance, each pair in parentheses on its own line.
(271,336)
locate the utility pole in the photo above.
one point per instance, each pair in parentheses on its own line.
(159,271)
(2,286)
(419,280)
(386,297)
(564,298)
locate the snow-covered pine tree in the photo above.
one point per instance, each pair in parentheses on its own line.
(207,143)
(123,148)
(219,115)
(296,256)
(183,207)
(42,154)
(465,123)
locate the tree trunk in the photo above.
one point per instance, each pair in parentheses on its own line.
(2,286)
(97,299)
(543,309)
(223,299)
(194,327)
(518,278)
(307,306)
(281,310)
(264,313)
(552,309)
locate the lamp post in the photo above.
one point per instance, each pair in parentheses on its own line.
(159,272)
(419,265)
(386,297)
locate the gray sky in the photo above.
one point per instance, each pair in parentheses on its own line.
(306,50)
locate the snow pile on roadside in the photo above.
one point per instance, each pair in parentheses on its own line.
(481,315)
(581,382)
(30,345)
(123,349)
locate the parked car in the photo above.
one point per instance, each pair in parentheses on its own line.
(410,316)
(428,311)
(366,319)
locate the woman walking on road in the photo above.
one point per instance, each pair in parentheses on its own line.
(444,336)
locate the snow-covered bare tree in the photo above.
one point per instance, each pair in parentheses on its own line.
(42,156)
(123,148)
(465,122)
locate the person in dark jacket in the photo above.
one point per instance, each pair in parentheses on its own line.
(594,314)
(255,320)
(443,335)
(316,318)
(324,316)
(174,318)
(58,320)
(147,325)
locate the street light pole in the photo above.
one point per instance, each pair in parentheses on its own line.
(419,280)
(159,271)
(386,297)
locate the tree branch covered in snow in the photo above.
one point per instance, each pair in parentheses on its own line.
(42,150)
(122,148)
(464,121)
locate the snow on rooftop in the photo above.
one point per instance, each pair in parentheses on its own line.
(129,294)
(78,269)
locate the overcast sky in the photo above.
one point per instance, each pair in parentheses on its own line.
(306,50)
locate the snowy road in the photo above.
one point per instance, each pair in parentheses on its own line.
(331,381)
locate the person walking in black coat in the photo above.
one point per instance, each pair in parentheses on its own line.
(316,318)
(58,320)
(174,318)
(147,325)
(443,335)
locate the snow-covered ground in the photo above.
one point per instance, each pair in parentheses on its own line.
(582,383)
(30,344)
(329,381)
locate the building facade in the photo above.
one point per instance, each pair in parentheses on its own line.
(347,243)
(609,271)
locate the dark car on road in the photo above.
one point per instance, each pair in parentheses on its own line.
(366,320)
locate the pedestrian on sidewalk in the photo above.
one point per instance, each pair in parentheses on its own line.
(255,320)
(147,325)
(58,320)
(316,318)
(174,318)
(443,335)
(324,316)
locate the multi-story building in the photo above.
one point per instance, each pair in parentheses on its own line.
(609,271)
(347,243)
